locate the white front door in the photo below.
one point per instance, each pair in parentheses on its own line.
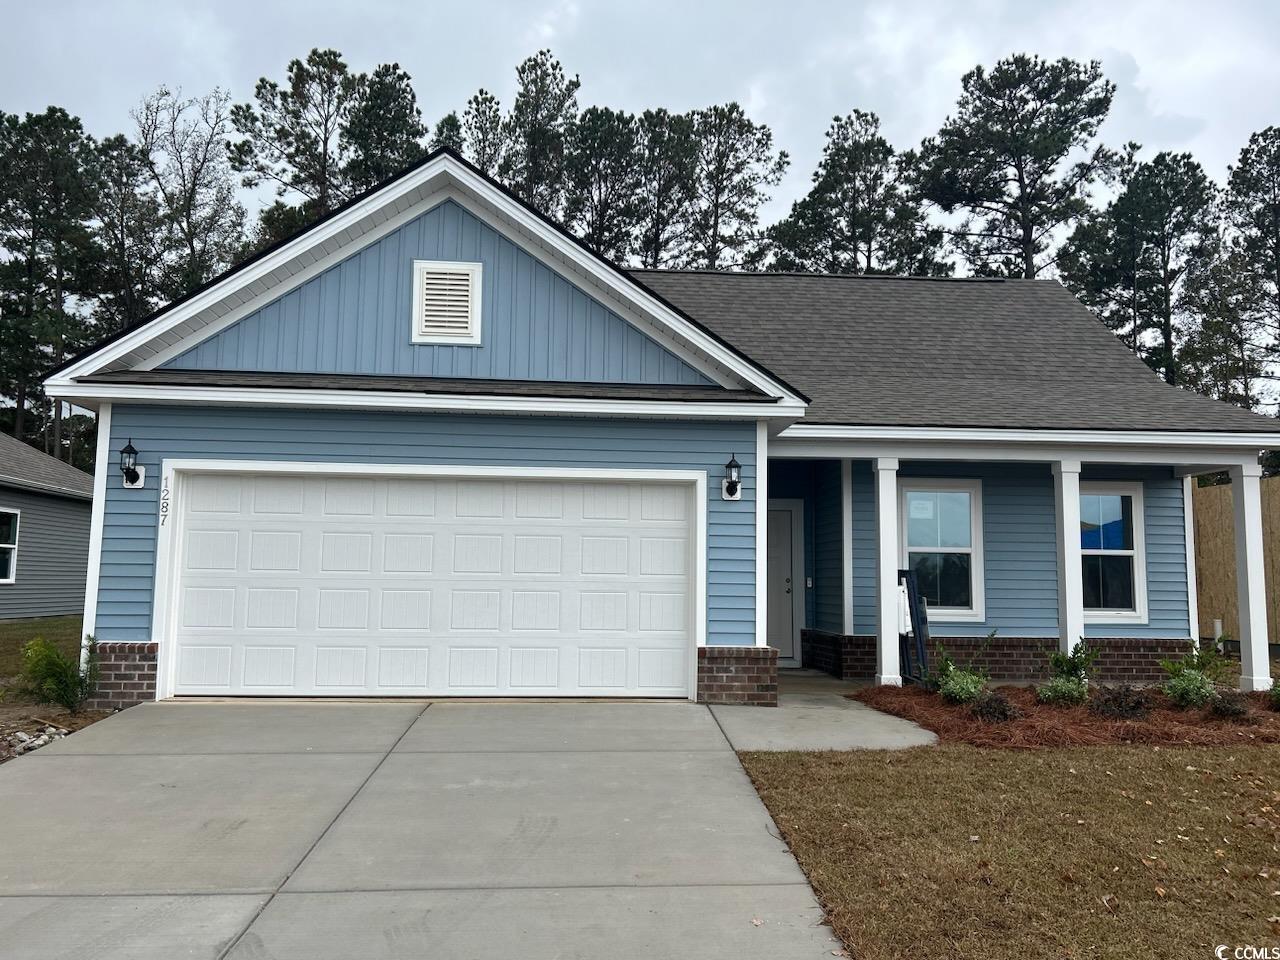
(294,584)
(784,621)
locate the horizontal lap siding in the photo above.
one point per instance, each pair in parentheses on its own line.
(355,318)
(129,527)
(793,480)
(53,550)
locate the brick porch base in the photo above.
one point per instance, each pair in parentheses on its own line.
(126,675)
(1123,660)
(738,675)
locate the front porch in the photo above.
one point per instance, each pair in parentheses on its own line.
(983,528)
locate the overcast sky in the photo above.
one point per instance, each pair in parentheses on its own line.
(1191,76)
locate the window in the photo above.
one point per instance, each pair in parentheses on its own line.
(942,543)
(8,545)
(446,302)
(1111,551)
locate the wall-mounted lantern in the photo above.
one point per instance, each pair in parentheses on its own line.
(731,485)
(133,474)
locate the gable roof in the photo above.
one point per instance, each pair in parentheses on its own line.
(441,174)
(921,352)
(22,465)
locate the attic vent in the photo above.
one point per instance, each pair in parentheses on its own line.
(446,302)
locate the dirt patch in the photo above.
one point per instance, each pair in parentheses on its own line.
(1131,853)
(32,718)
(1047,726)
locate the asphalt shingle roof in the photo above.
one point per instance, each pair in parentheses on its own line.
(896,351)
(24,466)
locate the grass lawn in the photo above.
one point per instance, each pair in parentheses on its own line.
(64,631)
(957,851)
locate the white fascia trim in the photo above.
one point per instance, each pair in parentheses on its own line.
(96,521)
(169,527)
(1131,438)
(588,264)
(394,400)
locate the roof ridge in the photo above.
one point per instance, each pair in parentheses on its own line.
(809,274)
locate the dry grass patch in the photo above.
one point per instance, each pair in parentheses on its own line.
(1116,852)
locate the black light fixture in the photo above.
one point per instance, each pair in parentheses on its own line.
(129,463)
(732,477)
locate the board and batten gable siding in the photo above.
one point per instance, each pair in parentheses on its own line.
(127,575)
(53,551)
(356,318)
(1020,550)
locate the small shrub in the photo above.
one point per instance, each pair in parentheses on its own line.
(1275,698)
(1229,705)
(942,668)
(993,707)
(1189,688)
(1120,703)
(52,676)
(1204,659)
(1074,665)
(1063,691)
(961,686)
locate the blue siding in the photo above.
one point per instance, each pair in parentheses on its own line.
(793,480)
(356,316)
(129,533)
(828,556)
(1020,550)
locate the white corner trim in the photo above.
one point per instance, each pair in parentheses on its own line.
(1135,490)
(169,535)
(977,613)
(846,546)
(96,520)
(762,533)
(1189,538)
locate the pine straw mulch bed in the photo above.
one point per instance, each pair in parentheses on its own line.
(1041,725)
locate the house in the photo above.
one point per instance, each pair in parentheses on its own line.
(433,445)
(45,510)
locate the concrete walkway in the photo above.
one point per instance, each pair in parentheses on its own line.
(389,831)
(815,713)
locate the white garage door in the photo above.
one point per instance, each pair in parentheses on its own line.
(301,584)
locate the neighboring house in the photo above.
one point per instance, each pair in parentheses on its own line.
(45,509)
(433,445)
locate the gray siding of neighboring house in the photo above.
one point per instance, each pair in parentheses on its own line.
(53,552)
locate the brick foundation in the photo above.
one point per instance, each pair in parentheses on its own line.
(126,675)
(738,675)
(1123,659)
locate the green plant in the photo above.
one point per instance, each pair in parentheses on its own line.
(1204,659)
(1189,688)
(52,676)
(1120,703)
(1076,664)
(943,667)
(1063,691)
(994,707)
(961,686)
(1229,705)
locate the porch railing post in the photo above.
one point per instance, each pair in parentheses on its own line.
(1251,584)
(888,667)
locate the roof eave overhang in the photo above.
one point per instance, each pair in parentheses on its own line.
(44,488)
(1247,440)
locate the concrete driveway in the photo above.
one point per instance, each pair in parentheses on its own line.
(397,830)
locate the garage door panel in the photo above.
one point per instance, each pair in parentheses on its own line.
(314,585)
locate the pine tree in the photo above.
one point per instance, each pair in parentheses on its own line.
(666,165)
(1252,205)
(484,132)
(382,129)
(602,180)
(448,133)
(536,131)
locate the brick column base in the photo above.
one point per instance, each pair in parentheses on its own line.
(738,675)
(126,675)
(844,657)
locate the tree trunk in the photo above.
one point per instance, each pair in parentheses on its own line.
(20,410)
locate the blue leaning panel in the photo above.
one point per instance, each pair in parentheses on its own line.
(356,317)
(127,574)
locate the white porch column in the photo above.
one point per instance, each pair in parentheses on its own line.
(888,666)
(1066,494)
(1251,585)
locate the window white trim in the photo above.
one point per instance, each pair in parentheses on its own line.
(1139,553)
(976,613)
(17,534)
(473,272)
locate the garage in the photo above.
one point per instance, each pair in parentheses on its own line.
(414,582)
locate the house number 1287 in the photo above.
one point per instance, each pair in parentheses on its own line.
(164,504)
